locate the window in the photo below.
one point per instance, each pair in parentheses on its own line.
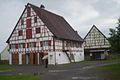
(20,32)
(28,11)
(29,33)
(22,22)
(16,46)
(35,19)
(28,23)
(37,30)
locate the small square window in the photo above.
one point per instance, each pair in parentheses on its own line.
(20,32)
(35,19)
(37,30)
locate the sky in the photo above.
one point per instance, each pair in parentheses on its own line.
(80,14)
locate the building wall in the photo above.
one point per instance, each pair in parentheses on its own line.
(31,39)
(5,54)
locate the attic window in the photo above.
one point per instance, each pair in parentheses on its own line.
(22,22)
(28,11)
(20,32)
(28,23)
(35,19)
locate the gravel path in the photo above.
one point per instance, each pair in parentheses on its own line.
(74,71)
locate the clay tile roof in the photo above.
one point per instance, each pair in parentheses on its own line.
(57,24)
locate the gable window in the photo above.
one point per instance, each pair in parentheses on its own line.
(20,33)
(35,19)
(28,11)
(29,33)
(28,23)
(22,22)
(37,30)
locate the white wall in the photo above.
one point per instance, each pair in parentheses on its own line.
(61,57)
(57,58)
(5,54)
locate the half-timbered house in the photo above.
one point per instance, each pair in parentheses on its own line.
(96,44)
(40,34)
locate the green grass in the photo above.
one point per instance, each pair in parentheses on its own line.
(19,77)
(113,71)
(6,67)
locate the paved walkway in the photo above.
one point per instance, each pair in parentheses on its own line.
(74,71)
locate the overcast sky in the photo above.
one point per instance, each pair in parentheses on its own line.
(80,14)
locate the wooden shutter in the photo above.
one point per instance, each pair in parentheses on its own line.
(16,46)
(29,33)
(28,23)
(20,32)
(22,22)
(35,19)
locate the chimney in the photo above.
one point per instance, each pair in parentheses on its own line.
(42,6)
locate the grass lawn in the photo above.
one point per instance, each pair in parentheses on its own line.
(113,71)
(5,67)
(19,77)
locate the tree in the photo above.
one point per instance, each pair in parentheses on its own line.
(115,38)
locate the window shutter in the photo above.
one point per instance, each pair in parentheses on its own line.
(35,19)
(20,32)
(29,33)
(28,23)
(28,11)
(22,22)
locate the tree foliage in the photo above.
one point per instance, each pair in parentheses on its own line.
(115,38)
